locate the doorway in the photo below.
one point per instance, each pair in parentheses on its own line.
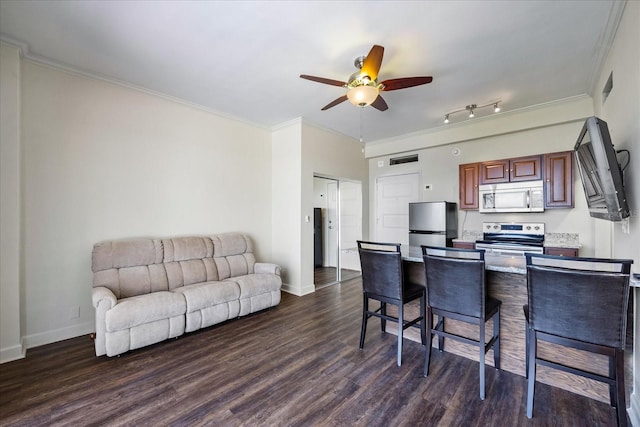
(337,226)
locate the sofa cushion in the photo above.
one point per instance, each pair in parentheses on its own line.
(141,309)
(208,294)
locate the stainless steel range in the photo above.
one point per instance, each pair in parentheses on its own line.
(512,238)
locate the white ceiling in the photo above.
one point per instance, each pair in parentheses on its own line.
(243,59)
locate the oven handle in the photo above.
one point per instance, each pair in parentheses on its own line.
(489,248)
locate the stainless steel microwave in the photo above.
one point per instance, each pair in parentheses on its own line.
(526,196)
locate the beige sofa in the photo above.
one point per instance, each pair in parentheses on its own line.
(149,290)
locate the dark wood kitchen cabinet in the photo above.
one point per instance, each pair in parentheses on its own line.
(558,180)
(561,251)
(511,170)
(464,245)
(469,185)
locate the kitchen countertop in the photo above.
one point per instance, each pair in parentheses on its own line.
(493,262)
(551,240)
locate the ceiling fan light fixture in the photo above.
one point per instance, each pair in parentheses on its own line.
(361,96)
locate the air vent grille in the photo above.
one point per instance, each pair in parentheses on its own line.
(405,159)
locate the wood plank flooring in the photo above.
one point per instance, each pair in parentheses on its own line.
(297,364)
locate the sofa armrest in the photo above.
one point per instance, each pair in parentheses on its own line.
(103,300)
(100,294)
(266,267)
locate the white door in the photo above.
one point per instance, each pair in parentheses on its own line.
(331,226)
(393,195)
(350,224)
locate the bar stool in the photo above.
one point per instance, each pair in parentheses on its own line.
(382,280)
(456,289)
(579,303)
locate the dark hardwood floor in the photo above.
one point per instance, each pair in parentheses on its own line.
(297,364)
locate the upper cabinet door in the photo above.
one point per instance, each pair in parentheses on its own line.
(558,180)
(511,170)
(525,168)
(469,185)
(494,171)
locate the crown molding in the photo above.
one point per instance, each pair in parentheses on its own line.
(27,55)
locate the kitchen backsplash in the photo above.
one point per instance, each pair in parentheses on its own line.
(561,240)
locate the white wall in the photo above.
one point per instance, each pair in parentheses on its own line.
(10,304)
(286,202)
(329,154)
(101,161)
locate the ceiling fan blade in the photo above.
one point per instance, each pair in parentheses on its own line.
(372,62)
(395,84)
(323,80)
(335,102)
(380,104)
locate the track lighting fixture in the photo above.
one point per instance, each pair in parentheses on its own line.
(471,108)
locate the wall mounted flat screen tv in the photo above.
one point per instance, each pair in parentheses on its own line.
(600,172)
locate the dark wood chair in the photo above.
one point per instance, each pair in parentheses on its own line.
(456,289)
(579,303)
(382,280)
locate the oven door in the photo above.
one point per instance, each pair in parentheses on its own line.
(506,249)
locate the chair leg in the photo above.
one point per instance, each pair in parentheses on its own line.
(621,405)
(383,311)
(531,381)
(482,344)
(363,329)
(496,345)
(441,337)
(612,374)
(427,353)
(526,351)
(400,331)
(423,331)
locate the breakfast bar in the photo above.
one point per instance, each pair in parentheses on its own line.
(507,281)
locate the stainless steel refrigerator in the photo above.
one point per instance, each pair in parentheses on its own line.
(433,223)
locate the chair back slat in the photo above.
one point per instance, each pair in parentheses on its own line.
(582,304)
(381,265)
(455,282)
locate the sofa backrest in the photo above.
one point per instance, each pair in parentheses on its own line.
(140,266)
(129,267)
(233,254)
(189,260)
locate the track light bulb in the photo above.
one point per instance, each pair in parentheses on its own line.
(471,115)
(446,119)
(496,108)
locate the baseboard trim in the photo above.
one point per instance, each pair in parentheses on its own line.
(48,337)
(298,291)
(634,409)
(12,353)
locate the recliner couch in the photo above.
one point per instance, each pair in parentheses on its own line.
(148,290)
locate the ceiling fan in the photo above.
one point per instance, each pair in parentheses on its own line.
(363,88)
